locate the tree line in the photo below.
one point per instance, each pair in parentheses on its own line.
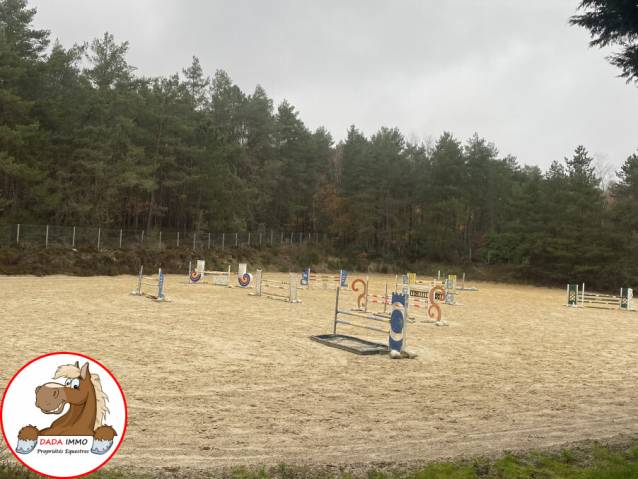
(84,140)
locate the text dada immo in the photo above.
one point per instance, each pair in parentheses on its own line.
(54,445)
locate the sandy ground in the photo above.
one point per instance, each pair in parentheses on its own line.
(218,378)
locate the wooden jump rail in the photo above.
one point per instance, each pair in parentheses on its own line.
(578,297)
(264,287)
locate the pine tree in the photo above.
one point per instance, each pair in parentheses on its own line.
(613,22)
(21,49)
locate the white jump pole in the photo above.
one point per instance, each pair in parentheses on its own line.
(385,298)
(365,306)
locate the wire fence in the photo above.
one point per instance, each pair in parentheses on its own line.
(54,236)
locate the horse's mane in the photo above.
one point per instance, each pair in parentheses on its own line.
(71,371)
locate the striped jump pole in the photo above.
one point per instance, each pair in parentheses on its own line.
(158,285)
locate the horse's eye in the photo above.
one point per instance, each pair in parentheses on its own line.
(75,384)
(67,383)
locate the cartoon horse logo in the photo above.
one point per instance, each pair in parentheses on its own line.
(82,391)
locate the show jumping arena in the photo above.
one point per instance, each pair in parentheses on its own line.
(216,378)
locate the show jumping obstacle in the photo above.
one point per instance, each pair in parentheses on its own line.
(199,275)
(449,285)
(463,288)
(273,289)
(423,300)
(427,301)
(450,291)
(579,298)
(392,326)
(452,278)
(244,278)
(156,283)
(365,298)
(324,281)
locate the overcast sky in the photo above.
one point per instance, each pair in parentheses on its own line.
(512,70)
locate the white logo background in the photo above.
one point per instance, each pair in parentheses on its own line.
(19,410)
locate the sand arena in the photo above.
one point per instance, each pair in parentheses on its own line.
(218,378)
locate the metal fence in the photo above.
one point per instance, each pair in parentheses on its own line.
(53,236)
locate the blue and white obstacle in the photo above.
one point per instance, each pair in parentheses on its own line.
(324,281)
(157,293)
(392,326)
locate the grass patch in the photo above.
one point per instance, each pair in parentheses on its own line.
(591,462)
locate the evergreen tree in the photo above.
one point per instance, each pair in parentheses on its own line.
(21,50)
(85,141)
(613,22)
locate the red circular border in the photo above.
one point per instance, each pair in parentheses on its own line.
(58,353)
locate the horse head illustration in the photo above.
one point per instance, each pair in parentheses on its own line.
(82,392)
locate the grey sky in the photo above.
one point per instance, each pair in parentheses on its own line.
(512,70)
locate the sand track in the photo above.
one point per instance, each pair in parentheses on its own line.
(217,378)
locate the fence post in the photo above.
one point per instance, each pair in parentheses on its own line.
(291,238)
(178,239)
(236,239)
(223,236)
(249,238)
(160,240)
(73,239)
(142,241)
(120,238)
(18,235)
(194,236)
(46,238)
(99,237)
(209,240)
(260,239)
